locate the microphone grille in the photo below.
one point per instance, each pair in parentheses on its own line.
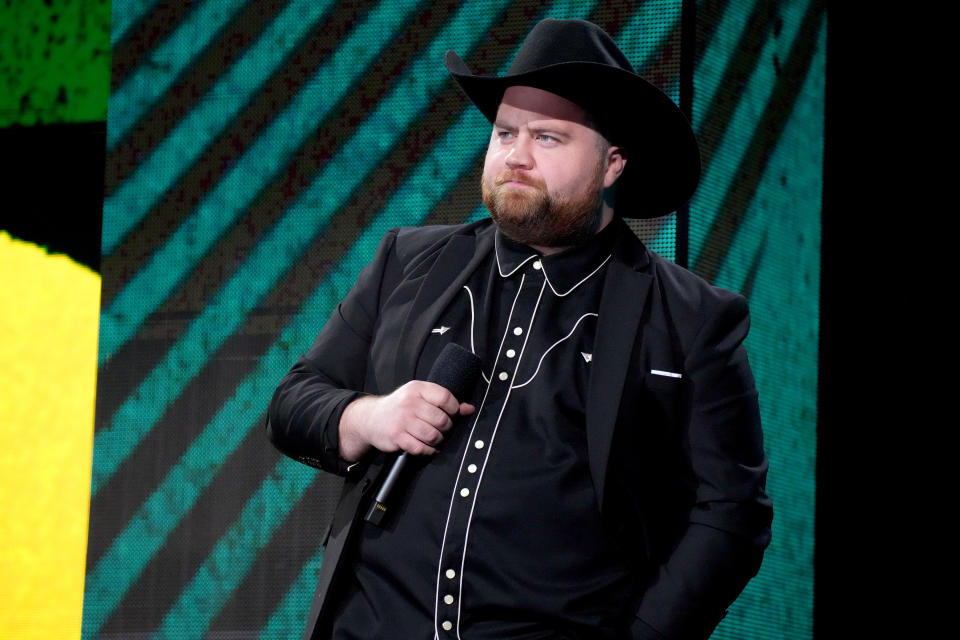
(455,369)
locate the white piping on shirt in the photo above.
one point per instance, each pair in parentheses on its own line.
(486,458)
(500,268)
(575,324)
(587,277)
(473,348)
(453,494)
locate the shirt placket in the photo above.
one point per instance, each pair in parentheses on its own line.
(450,580)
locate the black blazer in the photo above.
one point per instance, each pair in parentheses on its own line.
(677,462)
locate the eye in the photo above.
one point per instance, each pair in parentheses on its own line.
(504,134)
(547,139)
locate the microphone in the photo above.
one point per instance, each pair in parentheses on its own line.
(456,370)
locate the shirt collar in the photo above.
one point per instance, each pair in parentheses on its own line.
(564,270)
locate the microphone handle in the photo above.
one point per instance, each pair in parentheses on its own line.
(378,508)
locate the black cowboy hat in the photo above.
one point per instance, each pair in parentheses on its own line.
(579,61)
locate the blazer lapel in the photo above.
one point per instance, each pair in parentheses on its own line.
(458,259)
(625,293)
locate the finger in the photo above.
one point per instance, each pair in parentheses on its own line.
(439,397)
(414,446)
(426,433)
(466,408)
(433,416)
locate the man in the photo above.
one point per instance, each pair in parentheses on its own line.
(604,477)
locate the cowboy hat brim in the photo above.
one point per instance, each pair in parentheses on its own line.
(663,165)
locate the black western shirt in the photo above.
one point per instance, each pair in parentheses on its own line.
(498,536)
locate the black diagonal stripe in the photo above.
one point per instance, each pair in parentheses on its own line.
(762,144)
(462,199)
(281,560)
(140,474)
(157,122)
(161,329)
(751,278)
(708,16)
(143,37)
(613,16)
(151,596)
(743,62)
(331,245)
(198,179)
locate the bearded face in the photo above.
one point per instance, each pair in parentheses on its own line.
(525,211)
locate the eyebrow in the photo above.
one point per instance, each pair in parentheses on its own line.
(537,130)
(553,131)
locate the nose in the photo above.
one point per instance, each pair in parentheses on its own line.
(519,156)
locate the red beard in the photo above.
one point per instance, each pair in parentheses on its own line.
(533,217)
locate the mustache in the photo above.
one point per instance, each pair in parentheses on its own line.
(518,176)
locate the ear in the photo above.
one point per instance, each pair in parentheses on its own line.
(616,163)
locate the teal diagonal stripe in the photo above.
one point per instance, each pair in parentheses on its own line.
(152,78)
(281,245)
(717,176)
(657,16)
(154,176)
(124,14)
(290,616)
(230,560)
(220,209)
(717,54)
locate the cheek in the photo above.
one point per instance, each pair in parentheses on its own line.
(560,180)
(492,165)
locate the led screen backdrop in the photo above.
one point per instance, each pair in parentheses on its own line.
(256,153)
(758,110)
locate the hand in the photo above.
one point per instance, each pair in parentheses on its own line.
(413,418)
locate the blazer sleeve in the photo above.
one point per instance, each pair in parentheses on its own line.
(728,525)
(304,414)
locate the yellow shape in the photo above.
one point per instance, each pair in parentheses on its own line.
(49,309)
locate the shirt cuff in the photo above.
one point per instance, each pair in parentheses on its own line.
(331,437)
